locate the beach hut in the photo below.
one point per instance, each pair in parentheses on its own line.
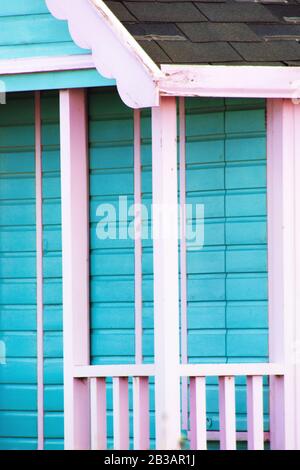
(149,224)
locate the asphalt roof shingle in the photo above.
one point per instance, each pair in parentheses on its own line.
(161,11)
(237,12)
(218,32)
(214,31)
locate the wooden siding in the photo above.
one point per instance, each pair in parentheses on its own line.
(36,32)
(53,345)
(227,280)
(227,300)
(18,378)
(112,261)
(28,30)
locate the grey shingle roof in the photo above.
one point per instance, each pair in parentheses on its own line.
(214,31)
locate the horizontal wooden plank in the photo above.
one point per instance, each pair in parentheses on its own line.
(52,80)
(229,81)
(123,370)
(22,7)
(18,397)
(18,423)
(7,443)
(223,370)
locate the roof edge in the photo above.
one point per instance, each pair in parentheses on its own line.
(230,81)
(116,54)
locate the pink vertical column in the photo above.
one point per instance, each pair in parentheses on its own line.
(39,271)
(183,268)
(140,384)
(121,413)
(138,240)
(141,414)
(296,329)
(283,169)
(255,413)
(166,279)
(227,413)
(98,414)
(75,254)
(198,413)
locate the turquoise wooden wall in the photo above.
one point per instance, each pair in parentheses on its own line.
(227,280)
(18,397)
(52,270)
(27,29)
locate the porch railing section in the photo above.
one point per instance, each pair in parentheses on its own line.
(196,375)
(120,375)
(227,374)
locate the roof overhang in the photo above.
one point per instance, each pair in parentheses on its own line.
(230,81)
(116,54)
(140,82)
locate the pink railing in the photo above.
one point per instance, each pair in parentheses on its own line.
(120,374)
(196,376)
(226,374)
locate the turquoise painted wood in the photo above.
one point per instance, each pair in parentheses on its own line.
(227,310)
(52,271)
(54,80)
(18,397)
(36,33)
(227,279)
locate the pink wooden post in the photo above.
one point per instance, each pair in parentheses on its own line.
(141,415)
(283,166)
(121,413)
(140,384)
(138,303)
(227,413)
(166,295)
(39,270)
(75,249)
(255,413)
(198,413)
(98,414)
(183,267)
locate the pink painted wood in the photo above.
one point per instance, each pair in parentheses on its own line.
(227,413)
(115,370)
(283,147)
(166,279)
(92,24)
(212,370)
(198,413)
(75,249)
(230,81)
(138,277)
(296,331)
(98,414)
(46,64)
(39,270)
(141,415)
(275,268)
(183,268)
(121,413)
(255,417)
